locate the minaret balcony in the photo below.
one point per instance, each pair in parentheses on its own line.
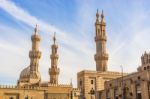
(97,23)
(101,56)
(54,70)
(34,54)
(54,46)
(53,56)
(99,38)
(35,38)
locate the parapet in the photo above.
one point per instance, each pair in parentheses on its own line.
(20,88)
(47,84)
(76,89)
(60,85)
(8,86)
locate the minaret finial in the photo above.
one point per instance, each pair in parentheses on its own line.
(54,38)
(102,16)
(145,53)
(71,82)
(36,29)
(97,15)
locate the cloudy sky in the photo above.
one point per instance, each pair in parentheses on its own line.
(128,32)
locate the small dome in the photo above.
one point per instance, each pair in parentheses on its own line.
(27,78)
(25,73)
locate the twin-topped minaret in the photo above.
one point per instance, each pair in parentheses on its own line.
(101,56)
(54,70)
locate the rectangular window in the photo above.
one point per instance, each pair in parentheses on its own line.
(80,83)
(107,94)
(138,92)
(115,94)
(98,31)
(91,81)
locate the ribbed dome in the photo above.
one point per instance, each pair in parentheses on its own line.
(25,73)
(27,78)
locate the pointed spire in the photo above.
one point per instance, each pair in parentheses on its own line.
(71,82)
(102,16)
(145,53)
(97,15)
(36,29)
(54,38)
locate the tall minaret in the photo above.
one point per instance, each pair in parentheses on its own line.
(31,75)
(35,55)
(101,56)
(54,71)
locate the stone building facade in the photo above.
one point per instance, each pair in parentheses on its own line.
(30,86)
(91,82)
(132,86)
(51,91)
(98,84)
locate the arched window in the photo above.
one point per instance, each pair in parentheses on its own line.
(98,32)
(148,67)
(131,81)
(11,98)
(116,94)
(144,68)
(138,92)
(139,77)
(92,81)
(107,94)
(26,97)
(110,85)
(80,82)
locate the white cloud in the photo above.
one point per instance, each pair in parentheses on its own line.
(63,37)
(125,46)
(127,38)
(13,54)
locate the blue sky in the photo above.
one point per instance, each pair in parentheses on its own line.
(73,20)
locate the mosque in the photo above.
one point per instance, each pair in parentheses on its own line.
(98,84)
(30,86)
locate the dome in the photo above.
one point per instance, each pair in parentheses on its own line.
(25,73)
(27,78)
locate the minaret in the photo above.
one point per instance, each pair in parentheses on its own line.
(54,70)
(101,56)
(35,55)
(31,75)
(145,62)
